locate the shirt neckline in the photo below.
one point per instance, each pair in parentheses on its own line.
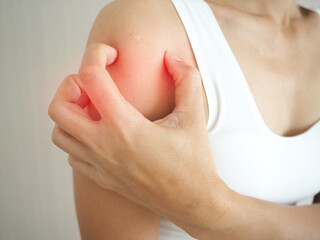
(262,124)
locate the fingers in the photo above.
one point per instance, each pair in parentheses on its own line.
(83,100)
(69,144)
(188,93)
(76,148)
(97,82)
(68,115)
(100,55)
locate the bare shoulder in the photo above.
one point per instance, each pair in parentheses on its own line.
(142,30)
(133,19)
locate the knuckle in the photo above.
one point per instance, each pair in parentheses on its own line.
(52,110)
(72,163)
(55,135)
(70,80)
(70,77)
(88,72)
(96,47)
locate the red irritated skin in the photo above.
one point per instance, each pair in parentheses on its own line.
(141,37)
(139,71)
(147,92)
(139,86)
(138,31)
(121,147)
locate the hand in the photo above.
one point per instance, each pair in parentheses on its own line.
(166,165)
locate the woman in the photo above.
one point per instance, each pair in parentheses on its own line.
(262,118)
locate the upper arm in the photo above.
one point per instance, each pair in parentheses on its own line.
(141,37)
(137,30)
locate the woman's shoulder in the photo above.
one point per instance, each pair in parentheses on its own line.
(142,30)
(136,20)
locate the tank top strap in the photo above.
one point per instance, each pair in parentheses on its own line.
(193,14)
(226,92)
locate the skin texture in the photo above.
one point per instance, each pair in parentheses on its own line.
(103,214)
(280,63)
(136,66)
(118,153)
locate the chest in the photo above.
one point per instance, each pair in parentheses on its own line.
(283,78)
(281,69)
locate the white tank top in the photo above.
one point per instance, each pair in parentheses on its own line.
(249,157)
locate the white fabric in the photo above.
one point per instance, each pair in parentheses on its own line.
(249,157)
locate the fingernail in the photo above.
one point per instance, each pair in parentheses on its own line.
(173,56)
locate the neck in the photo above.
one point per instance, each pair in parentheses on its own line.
(279,11)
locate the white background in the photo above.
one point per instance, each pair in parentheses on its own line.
(41,41)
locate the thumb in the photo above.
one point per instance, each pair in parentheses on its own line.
(188,88)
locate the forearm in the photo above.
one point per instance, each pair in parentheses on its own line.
(250,218)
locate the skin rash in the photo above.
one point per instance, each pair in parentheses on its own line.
(141,35)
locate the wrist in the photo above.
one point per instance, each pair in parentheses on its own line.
(238,216)
(215,212)
(223,202)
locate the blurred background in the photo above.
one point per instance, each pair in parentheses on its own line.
(41,42)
